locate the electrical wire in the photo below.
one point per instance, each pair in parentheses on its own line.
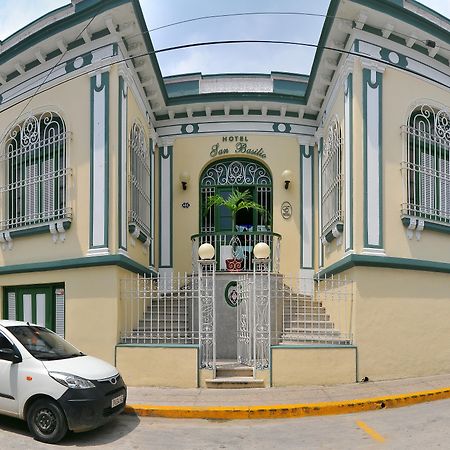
(45,79)
(231,42)
(275,13)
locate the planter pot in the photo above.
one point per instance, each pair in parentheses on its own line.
(234,264)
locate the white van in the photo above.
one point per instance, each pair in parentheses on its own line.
(52,385)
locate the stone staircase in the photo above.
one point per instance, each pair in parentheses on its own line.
(232,375)
(166,321)
(305,321)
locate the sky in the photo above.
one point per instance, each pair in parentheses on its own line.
(236,58)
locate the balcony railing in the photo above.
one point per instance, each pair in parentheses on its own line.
(234,250)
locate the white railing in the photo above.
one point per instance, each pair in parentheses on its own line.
(230,247)
(313,311)
(159,310)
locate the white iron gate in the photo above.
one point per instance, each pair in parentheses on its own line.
(244,335)
(253,318)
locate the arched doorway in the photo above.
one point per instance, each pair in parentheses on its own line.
(224,176)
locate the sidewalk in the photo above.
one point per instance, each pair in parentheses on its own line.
(285,402)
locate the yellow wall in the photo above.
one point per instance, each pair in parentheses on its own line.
(400,91)
(91,305)
(76,115)
(192,154)
(158,366)
(402,326)
(312,365)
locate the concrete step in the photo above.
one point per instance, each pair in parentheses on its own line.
(299,317)
(301,325)
(234,383)
(234,372)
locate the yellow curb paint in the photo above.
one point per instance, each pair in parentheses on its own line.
(370,431)
(289,410)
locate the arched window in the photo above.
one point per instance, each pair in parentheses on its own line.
(139,213)
(332,211)
(426,166)
(240,174)
(35,175)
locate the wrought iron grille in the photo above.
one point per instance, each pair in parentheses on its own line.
(35,173)
(426,164)
(159,310)
(236,173)
(139,213)
(332,177)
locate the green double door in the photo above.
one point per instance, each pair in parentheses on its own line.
(34,304)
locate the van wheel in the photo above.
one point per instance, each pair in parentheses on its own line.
(46,421)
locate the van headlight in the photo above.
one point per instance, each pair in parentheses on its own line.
(71,381)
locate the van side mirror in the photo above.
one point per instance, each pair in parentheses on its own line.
(9,354)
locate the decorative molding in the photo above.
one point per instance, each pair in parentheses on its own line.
(122,162)
(165,206)
(348,161)
(99,163)
(372,151)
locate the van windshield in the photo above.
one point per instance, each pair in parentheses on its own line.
(43,344)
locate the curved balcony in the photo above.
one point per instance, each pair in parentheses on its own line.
(234,250)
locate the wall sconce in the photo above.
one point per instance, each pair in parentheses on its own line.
(184,179)
(287,178)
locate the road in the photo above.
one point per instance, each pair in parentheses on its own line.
(424,426)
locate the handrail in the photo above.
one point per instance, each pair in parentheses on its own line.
(236,233)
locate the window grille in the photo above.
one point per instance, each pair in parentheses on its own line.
(236,173)
(139,213)
(426,165)
(35,171)
(332,178)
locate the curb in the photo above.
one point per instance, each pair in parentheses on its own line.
(288,410)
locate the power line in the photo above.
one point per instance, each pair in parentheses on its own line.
(426,42)
(45,78)
(231,42)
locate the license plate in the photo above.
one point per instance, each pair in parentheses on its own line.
(117,401)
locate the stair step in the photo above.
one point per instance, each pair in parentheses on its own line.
(234,383)
(234,372)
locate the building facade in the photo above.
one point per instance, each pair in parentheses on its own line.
(108,170)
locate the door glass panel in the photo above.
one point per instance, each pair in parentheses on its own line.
(27,308)
(40,309)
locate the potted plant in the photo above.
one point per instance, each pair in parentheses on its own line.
(235,202)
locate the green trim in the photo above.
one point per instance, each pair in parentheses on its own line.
(104,84)
(428,225)
(122,94)
(105,79)
(227,289)
(315,346)
(232,96)
(319,171)
(378,84)
(169,156)
(349,176)
(36,230)
(142,236)
(354,260)
(304,154)
(93,9)
(78,263)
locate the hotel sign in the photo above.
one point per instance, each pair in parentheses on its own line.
(235,145)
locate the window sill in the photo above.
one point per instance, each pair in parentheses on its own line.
(138,233)
(333,232)
(28,230)
(416,223)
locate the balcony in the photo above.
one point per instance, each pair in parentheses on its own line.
(234,250)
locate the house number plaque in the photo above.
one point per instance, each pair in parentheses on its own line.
(286,210)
